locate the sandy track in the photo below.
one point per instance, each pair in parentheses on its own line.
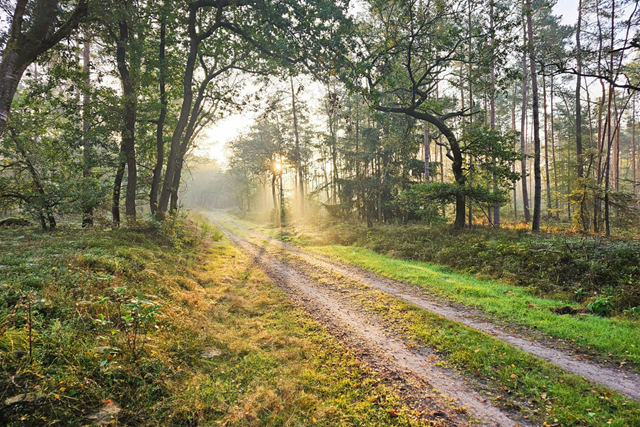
(380,348)
(623,381)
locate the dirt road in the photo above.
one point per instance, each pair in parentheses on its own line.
(440,394)
(623,381)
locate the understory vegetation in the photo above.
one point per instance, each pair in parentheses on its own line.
(566,266)
(166,325)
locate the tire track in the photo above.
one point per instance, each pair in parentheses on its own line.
(620,380)
(368,336)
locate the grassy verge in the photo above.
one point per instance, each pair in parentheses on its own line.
(540,392)
(140,326)
(611,339)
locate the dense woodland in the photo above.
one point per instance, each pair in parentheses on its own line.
(471,111)
(430,217)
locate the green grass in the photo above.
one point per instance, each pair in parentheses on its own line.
(273,364)
(617,337)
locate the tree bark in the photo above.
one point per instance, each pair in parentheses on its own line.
(513,127)
(546,146)
(578,86)
(553,156)
(87,211)
(633,147)
(523,146)
(537,198)
(427,153)
(283,219)
(185,110)
(298,156)
(189,133)
(162,69)
(130,98)
(456,155)
(492,108)
(117,188)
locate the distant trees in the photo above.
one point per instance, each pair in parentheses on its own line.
(453,70)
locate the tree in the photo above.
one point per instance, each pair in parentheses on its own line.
(405,50)
(36,27)
(257,38)
(537,197)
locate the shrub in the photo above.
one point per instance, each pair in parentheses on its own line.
(548,264)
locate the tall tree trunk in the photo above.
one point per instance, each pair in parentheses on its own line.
(523,146)
(129,96)
(87,211)
(616,147)
(273,193)
(117,188)
(492,109)
(427,153)
(610,121)
(553,156)
(162,69)
(469,78)
(189,132)
(633,147)
(537,200)
(283,219)
(578,86)
(546,145)
(513,166)
(186,108)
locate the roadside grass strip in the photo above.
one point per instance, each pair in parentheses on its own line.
(226,347)
(613,338)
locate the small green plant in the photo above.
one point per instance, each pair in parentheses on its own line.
(178,230)
(135,317)
(601,306)
(633,311)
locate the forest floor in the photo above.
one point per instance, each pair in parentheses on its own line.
(497,360)
(169,327)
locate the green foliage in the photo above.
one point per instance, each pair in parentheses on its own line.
(271,364)
(601,306)
(137,315)
(178,230)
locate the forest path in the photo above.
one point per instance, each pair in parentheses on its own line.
(414,371)
(625,382)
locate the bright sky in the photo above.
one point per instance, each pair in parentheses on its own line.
(568,9)
(215,138)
